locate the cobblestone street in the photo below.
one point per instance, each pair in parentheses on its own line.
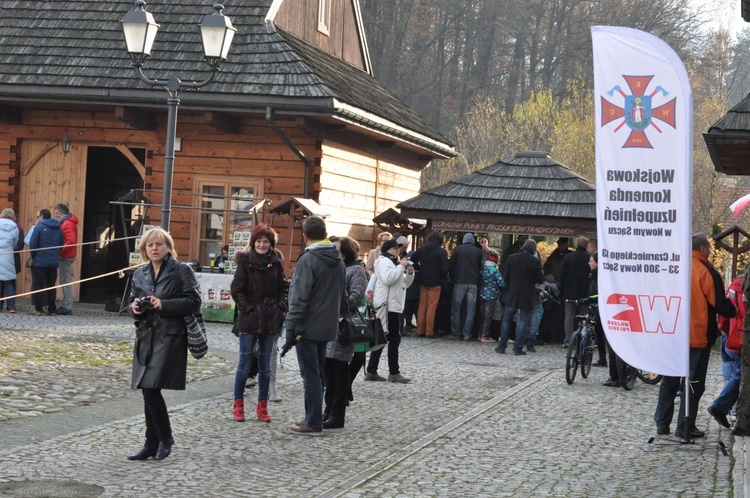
(472,423)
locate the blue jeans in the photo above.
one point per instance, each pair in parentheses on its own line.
(311,356)
(731,391)
(459,292)
(8,288)
(522,327)
(247,344)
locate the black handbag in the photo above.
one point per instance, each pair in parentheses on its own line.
(355,329)
(380,338)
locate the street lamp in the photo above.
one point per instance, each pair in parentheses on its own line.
(140,29)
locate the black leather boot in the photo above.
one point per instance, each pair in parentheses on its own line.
(149,450)
(165,448)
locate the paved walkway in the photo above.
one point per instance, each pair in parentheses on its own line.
(473,423)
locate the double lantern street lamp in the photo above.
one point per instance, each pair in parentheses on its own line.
(140,29)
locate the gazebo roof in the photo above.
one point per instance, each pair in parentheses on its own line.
(728,140)
(528,193)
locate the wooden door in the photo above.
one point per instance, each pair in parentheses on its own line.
(48,177)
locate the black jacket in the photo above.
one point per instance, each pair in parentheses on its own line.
(465,265)
(522,272)
(259,289)
(160,352)
(431,261)
(574,274)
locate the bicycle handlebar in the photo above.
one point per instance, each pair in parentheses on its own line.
(584,300)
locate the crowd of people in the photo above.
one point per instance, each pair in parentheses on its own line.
(331,282)
(54,245)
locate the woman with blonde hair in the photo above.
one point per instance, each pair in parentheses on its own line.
(163,292)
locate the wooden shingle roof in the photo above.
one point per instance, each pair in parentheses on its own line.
(728,140)
(527,193)
(75,51)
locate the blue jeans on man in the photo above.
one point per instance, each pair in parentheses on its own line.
(311,356)
(461,291)
(523,327)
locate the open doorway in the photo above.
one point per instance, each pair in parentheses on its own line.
(109,176)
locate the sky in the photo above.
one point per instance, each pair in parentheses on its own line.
(723,14)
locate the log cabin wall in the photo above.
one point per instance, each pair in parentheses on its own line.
(253,151)
(8,167)
(301,19)
(356,186)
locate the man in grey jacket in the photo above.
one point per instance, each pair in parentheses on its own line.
(317,297)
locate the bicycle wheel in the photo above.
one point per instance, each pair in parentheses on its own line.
(573,357)
(626,374)
(648,377)
(587,357)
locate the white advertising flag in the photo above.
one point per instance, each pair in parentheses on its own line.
(644,113)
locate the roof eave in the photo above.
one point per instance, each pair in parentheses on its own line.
(240,103)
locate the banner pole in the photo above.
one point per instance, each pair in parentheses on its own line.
(686,419)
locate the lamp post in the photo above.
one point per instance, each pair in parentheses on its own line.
(140,29)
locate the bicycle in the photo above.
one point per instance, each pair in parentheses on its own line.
(626,374)
(648,377)
(583,341)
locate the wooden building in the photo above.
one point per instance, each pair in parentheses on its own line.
(296,99)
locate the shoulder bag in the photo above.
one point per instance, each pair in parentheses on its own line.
(356,329)
(197,337)
(380,339)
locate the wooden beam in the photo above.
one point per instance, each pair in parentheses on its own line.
(140,120)
(386,144)
(222,122)
(10,115)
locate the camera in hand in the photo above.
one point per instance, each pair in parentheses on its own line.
(145,304)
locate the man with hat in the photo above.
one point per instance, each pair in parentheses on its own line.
(392,277)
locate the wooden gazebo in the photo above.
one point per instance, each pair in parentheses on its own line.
(728,140)
(529,193)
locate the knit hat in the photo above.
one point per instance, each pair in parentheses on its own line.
(492,257)
(388,244)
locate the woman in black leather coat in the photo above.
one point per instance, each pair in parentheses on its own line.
(163,292)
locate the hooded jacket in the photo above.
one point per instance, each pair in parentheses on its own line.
(317,295)
(260,290)
(465,265)
(46,233)
(8,241)
(69,227)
